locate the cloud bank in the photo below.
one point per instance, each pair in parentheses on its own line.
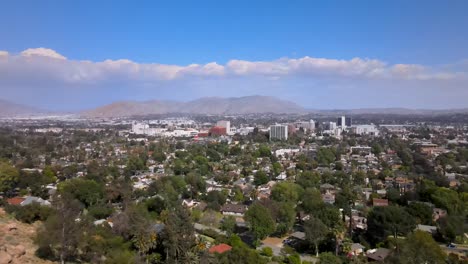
(311,80)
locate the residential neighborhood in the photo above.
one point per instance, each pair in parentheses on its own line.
(226,189)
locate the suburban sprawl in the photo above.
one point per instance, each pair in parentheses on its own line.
(253,188)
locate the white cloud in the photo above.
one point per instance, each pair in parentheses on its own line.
(45,76)
(49,64)
(43,52)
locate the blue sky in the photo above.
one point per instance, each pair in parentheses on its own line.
(415,48)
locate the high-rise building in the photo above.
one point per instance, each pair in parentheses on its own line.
(279,132)
(225,124)
(330,125)
(348,121)
(312,124)
(343,122)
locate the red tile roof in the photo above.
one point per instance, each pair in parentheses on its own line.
(15,200)
(379,202)
(221,248)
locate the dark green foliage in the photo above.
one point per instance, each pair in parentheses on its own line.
(421,212)
(215,199)
(388,221)
(29,213)
(260,220)
(419,247)
(88,192)
(329,258)
(260,177)
(286,192)
(100,211)
(325,156)
(450,227)
(178,238)
(316,232)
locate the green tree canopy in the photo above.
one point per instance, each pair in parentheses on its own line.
(286,192)
(260,220)
(419,247)
(385,221)
(8,176)
(315,231)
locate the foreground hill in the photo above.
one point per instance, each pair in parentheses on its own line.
(16,241)
(207,105)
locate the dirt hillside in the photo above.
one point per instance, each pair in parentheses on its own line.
(16,241)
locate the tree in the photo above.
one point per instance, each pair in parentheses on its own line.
(264,151)
(315,231)
(260,220)
(420,247)
(49,175)
(285,217)
(242,255)
(325,156)
(450,227)
(159,156)
(88,192)
(196,183)
(228,224)
(286,192)
(178,237)
(329,258)
(376,148)
(215,199)
(447,199)
(385,221)
(8,176)
(330,216)
(311,200)
(62,232)
(421,212)
(260,177)
(308,179)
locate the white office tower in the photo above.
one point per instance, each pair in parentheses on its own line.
(312,125)
(225,124)
(279,132)
(332,125)
(342,122)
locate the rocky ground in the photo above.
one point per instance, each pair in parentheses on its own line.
(16,241)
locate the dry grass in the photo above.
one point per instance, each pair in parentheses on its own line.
(23,235)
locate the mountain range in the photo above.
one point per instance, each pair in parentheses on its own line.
(213,106)
(206,105)
(11,109)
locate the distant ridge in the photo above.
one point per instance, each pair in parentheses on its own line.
(205,105)
(391,111)
(255,104)
(11,109)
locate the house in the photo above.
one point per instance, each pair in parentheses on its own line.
(427,228)
(378,255)
(15,201)
(356,249)
(220,249)
(27,200)
(33,199)
(234,209)
(328,198)
(298,235)
(379,202)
